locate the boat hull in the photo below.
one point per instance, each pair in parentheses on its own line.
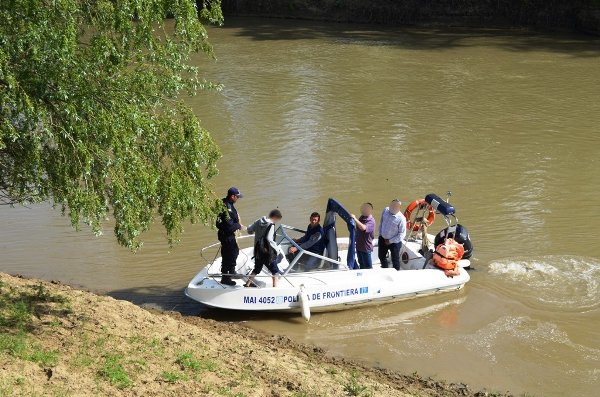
(326,290)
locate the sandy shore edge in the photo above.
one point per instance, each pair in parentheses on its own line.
(56,340)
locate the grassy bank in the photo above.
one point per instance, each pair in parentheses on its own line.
(60,341)
(577,15)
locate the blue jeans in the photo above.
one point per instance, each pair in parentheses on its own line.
(364,260)
(394,250)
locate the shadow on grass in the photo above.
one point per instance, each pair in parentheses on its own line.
(19,307)
(161,298)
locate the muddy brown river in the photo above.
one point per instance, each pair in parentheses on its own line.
(509,121)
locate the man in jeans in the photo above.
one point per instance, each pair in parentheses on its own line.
(392,231)
(365,226)
(228,223)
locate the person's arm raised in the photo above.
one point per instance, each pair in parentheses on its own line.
(359,225)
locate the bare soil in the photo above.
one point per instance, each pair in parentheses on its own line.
(82,344)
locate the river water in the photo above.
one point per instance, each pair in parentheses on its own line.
(509,121)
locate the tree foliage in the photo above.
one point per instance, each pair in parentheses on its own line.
(92,115)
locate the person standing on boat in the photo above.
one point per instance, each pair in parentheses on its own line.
(365,226)
(312,241)
(266,251)
(392,231)
(228,223)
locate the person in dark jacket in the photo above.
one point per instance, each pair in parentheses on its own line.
(228,223)
(312,241)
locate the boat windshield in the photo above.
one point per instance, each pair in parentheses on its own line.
(301,261)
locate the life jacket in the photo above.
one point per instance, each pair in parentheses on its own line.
(446,256)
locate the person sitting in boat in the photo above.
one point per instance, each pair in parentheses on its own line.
(392,231)
(266,251)
(365,233)
(312,241)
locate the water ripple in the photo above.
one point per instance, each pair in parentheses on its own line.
(564,282)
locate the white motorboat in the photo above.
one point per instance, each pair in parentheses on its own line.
(335,283)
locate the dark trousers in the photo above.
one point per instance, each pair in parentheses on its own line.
(394,250)
(229,254)
(364,259)
(273,268)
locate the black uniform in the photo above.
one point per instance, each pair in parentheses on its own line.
(228,223)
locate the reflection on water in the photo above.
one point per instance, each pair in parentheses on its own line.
(510,122)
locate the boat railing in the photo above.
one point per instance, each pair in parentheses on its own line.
(295,229)
(301,252)
(341,266)
(210,262)
(216,273)
(288,277)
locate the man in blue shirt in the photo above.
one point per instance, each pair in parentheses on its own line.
(228,223)
(312,241)
(392,231)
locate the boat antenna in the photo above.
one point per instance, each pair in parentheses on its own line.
(448,195)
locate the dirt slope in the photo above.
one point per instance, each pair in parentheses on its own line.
(60,341)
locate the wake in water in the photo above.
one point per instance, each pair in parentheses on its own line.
(564,282)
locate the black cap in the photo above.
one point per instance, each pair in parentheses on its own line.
(234,191)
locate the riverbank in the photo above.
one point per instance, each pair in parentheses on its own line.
(581,16)
(59,341)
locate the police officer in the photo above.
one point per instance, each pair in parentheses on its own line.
(228,223)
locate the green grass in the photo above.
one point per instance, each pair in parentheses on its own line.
(6,387)
(16,315)
(15,345)
(135,339)
(101,341)
(187,361)
(172,377)
(82,360)
(18,308)
(139,364)
(44,357)
(304,393)
(354,388)
(247,375)
(19,346)
(226,391)
(157,346)
(113,371)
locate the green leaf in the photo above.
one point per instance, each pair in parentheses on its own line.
(92,117)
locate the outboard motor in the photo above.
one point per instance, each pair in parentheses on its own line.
(460,234)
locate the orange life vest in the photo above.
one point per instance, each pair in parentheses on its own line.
(447,255)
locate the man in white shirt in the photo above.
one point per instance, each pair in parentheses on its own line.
(392,230)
